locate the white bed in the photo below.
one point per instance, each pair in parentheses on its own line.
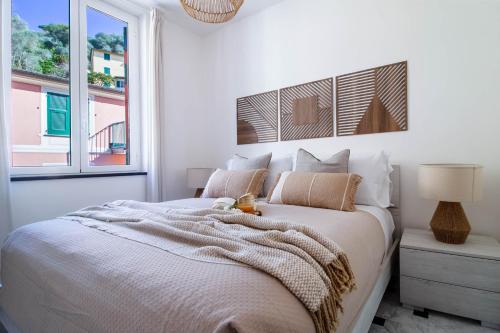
(27,303)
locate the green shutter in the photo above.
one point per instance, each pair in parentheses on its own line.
(107,56)
(58,114)
(107,70)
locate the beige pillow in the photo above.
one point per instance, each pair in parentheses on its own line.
(234,183)
(311,189)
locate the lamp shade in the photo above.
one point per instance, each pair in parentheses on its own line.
(198,177)
(450,182)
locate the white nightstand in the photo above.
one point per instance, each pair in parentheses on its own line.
(459,279)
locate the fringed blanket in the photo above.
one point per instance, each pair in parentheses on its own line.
(311,266)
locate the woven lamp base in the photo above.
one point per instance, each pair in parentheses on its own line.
(449,223)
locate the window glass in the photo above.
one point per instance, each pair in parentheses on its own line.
(108,137)
(40,96)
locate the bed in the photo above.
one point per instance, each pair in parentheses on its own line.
(46,288)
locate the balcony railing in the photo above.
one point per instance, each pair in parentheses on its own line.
(110,140)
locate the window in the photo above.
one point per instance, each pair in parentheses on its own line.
(109,140)
(58,114)
(40,94)
(74,87)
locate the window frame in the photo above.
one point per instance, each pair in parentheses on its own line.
(133,87)
(78,89)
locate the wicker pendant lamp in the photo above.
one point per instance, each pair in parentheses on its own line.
(212,11)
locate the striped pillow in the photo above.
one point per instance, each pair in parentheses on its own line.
(322,190)
(234,183)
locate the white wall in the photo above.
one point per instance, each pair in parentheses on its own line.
(453,53)
(33,201)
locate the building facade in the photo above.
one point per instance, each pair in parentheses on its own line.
(41,122)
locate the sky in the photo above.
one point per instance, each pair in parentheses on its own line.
(40,12)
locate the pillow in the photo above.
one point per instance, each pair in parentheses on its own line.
(376,187)
(276,167)
(316,189)
(234,183)
(307,162)
(239,162)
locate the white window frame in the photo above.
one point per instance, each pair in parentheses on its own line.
(79,88)
(133,86)
(74,166)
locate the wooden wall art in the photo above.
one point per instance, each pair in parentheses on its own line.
(373,100)
(257,118)
(307,110)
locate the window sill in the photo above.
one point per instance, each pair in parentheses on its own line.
(77,175)
(55,136)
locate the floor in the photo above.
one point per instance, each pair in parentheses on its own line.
(393,318)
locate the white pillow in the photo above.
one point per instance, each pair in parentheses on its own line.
(375,188)
(276,167)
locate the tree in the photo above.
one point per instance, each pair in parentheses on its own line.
(47,51)
(100,79)
(26,50)
(55,35)
(47,66)
(55,38)
(107,42)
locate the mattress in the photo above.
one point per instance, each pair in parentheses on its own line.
(46,289)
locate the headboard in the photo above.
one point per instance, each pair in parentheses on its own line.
(395,200)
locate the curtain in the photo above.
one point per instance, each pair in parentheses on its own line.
(155,131)
(5,215)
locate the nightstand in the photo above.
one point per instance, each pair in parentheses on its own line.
(463,280)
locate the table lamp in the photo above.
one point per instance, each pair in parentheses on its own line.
(451,184)
(197,178)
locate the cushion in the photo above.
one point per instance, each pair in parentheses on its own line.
(239,162)
(316,189)
(276,167)
(375,170)
(307,162)
(234,183)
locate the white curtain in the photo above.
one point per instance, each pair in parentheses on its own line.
(156,118)
(5,216)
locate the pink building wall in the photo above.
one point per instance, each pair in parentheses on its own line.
(108,111)
(37,159)
(25,114)
(26,126)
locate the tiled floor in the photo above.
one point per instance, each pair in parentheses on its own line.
(402,320)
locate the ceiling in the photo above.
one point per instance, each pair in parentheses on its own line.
(176,14)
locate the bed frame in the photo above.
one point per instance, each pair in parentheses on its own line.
(364,319)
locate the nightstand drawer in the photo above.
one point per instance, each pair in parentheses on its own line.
(461,301)
(460,270)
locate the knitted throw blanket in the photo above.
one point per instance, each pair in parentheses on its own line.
(311,266)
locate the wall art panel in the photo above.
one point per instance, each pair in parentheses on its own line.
(307,110)
(372,100)
(257,118)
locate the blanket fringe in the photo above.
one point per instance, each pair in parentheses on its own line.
(342,279)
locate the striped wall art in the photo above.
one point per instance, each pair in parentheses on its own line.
(257,118)
(307,110)
(373,100)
